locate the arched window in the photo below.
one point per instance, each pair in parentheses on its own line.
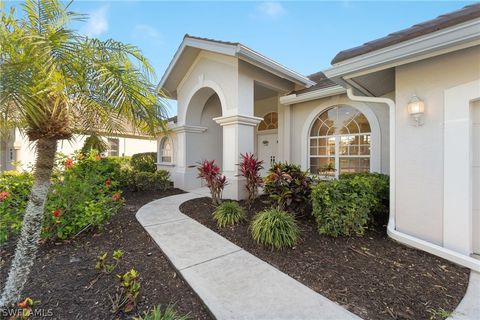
(270,121)
(165,150)
(339,142)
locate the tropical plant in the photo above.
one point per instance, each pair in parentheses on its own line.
(157,314)
(55,82)
(228,213)
(275,228)
(216,182)
(288,187)
(126,295)
(250,168)
(94,142)
(144,162)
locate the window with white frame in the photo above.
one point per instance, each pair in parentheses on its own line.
(340,142)
(165,150)
(113,147)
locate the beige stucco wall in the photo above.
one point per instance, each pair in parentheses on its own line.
(302,115)
(420,150)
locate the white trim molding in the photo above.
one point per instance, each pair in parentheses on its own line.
(189,129)
(235,50)
(312,95)
(238,119)
(458,37)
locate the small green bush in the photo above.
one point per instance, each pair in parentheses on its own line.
(144,162)
(14,192)
(157,314)
(228,213)
(380,187)
(275,228)
(288,187)
(158,180)
(347,206)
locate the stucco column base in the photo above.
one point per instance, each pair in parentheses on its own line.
(185,178)
(238,138)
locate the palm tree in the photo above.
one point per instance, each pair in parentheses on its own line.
(55,83)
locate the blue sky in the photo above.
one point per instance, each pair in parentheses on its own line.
(303,36)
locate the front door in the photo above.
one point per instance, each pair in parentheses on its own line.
(476,176)
(267,145)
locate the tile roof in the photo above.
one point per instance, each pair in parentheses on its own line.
(467,13)
(321,82)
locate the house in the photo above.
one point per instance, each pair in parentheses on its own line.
(407,105)
(17,153)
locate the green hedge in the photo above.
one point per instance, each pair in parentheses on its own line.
(144,162)
(349,205)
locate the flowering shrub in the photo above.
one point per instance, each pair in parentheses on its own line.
(84,197)
(216,182)
(250,169)
(14,192)
(288,187)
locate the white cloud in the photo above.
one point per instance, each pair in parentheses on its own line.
(97,22)
(144,31)
(271,9)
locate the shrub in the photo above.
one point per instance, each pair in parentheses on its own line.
(216,182)
(84,197)
(346,206)
(250,169)
(288,187)
(14,192)
(157,314)
(228,213)
(158,180)
(275,228)
(144,162)
(380,187)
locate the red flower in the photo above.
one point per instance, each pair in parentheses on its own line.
(108,183)
(97,157)
(4,195)
(117,196)
(68,163)
(57,213)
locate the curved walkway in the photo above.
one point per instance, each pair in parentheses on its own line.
(232,283)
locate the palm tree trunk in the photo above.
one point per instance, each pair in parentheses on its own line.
(27,244)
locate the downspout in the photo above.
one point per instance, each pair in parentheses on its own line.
(401,237)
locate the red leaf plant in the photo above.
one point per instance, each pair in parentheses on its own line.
(250,169)
(216,182)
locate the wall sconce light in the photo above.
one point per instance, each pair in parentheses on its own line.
(416,109)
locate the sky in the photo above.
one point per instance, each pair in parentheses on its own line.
(304,36)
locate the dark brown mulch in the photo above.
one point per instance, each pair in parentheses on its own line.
(63,271)
(372,276)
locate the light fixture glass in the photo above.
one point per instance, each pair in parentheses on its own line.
(416,109)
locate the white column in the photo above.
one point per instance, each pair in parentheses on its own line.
(185,174)
(238,138)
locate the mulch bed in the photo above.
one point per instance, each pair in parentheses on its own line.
(63,271)
(372,276)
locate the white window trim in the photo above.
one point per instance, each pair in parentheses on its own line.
(375,135)
(160,151)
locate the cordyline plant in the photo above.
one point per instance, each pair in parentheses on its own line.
(216,182)
(55,83)
(250,169)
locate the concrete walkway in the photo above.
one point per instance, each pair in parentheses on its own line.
(232,283)
(469,307)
